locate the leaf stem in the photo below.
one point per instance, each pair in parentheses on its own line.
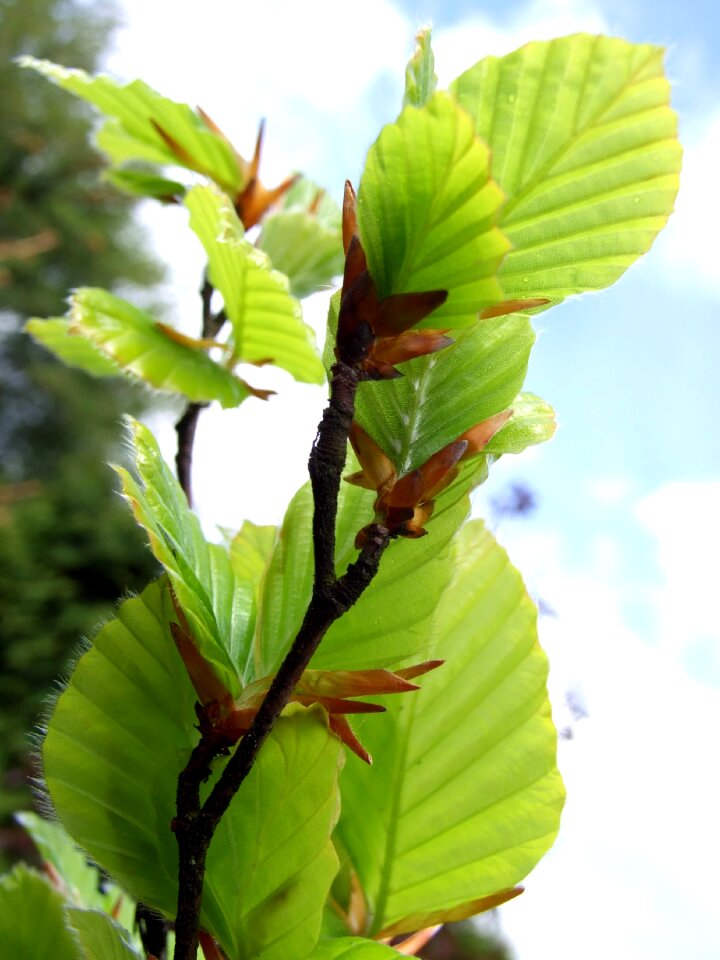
(332,596)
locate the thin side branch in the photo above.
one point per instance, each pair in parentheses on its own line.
(195,823)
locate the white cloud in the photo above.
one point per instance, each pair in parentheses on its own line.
(685,519)
(689,245)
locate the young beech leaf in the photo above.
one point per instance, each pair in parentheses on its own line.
(353,948)
(140,346)
(464,797)
(420,79)
(71,346)
(590,172)
(118,736)
(101,937)
(432,226)
(218,603)
(146,126)
(32,919)
(266,321)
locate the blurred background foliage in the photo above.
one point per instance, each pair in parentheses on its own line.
(68,547)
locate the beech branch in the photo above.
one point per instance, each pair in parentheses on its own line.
(187,424)
(332,596)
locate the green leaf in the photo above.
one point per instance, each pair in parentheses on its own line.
(391,622)
(584,145)
(219,606)
(420,79)
(432,225)
(119,735)
(308,253)
(101,938)
(141,347)
(352,948)
(441,396)
(266,320)
(532,421)
(140,183)
(82,881)
(136,112)
(32,919)
(464,796)
(71,347)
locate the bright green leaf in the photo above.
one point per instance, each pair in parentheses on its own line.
(391,621)
(71,347)
(136,112)
(139,183)
(309,254)
(420,79)
(432,226)
(352,948)
(118,737)
(441,396)
(267,325)
(464,796)
(584,144)
(32,919)
(532,421)
(101,938)
(138,345)
(219,606)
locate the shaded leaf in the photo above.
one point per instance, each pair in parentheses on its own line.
(352,948)
(118,737)
(464,797)
(82,884)
(139,116)
(266,320)
(298,244)
(71,347)
(584,145)
(219,606)
(32,919)
(101,938)
(140,346)
(139,183)
(432,226)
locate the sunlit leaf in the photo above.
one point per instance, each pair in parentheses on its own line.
(464,797)
(138,115)
(101,938)
(420,79)
(118,737)
(391,622)
(267,325)
(584,145)
(532,421)
(441,396)
(32,919)
(72,348)
(219,606)
(431,226)
(139,346)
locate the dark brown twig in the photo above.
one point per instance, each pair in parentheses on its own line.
(187,424)
(332,596)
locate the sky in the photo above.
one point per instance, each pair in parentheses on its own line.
(622,547)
